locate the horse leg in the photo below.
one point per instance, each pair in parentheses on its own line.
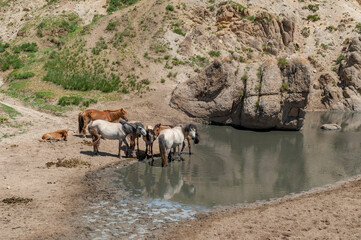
(146,150)
(189,144)
(179,153)
(183,145)
(126,147)
(151,150)
(86,122)
(120,144)
(138,145)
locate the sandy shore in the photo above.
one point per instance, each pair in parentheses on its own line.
(59,194)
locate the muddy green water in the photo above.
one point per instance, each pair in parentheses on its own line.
(228,166)
(235,166)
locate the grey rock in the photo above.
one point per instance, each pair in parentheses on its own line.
(331,126)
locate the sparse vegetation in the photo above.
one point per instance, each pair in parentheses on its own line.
(114,5)
(305,32)
(339,59)
(331,28)
(285,86)
(312,7)
(75,100)
(324,46)
(24,75)
(244,77)
(282,62)
(313,17)
(111,26)
(214,53)
(169,8)
(179,31)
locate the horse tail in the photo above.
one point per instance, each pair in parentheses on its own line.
(162,150)
(81,122)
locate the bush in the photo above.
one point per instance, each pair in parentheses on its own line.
(44,94)
(169,7)
(111,26)
(214,53)
(75,100)
(282,62)
(244,77)
(313,17)
(114,5)
(285,87)
(339,59)
(162,80)
(179,31)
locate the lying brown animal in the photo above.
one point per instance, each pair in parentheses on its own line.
(57,135)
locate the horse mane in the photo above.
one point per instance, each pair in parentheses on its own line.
(189,126)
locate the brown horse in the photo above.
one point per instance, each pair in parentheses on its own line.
(91,114)
(57,135)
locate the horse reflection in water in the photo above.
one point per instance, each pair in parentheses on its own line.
(164,183)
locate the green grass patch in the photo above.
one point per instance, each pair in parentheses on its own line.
(114,5)
(214,53)
(282,62)
(111,26)
(313,17)
(44,94)
(169,7)
(179,31)
(285,87)
(339,58)
(7,111)
(75,100)
(24,75)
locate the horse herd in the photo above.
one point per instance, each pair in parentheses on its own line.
(114,124)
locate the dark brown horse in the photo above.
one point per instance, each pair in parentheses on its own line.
(92,114)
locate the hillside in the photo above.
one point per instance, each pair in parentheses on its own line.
(60,53)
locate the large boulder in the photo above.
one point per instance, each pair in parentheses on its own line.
(267,98)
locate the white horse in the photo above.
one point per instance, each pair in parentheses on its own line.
(109,130)
(174,137)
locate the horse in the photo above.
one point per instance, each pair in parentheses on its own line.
(159,127)
(149,139)
(109,130)
(173,138)
(57,135)
(91,114)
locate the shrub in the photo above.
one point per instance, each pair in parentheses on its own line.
(111,26)
(178,31)
(114,5)
(3,46)
(169,7)
(214,53)
(282,62)
(324,46)
(339,58)
(331,28)
(24,75)
(162,80)
(75,100)
(285,86)
(44,94)
(313,17)
(305,32)
(244,77)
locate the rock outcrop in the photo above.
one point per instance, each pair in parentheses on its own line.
(350,74)
(264,97)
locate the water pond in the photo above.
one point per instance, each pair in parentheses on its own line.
(232,166)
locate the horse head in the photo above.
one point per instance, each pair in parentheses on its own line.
(140,129)
(124,114)
(150,135)
(156,129)
(191,130)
